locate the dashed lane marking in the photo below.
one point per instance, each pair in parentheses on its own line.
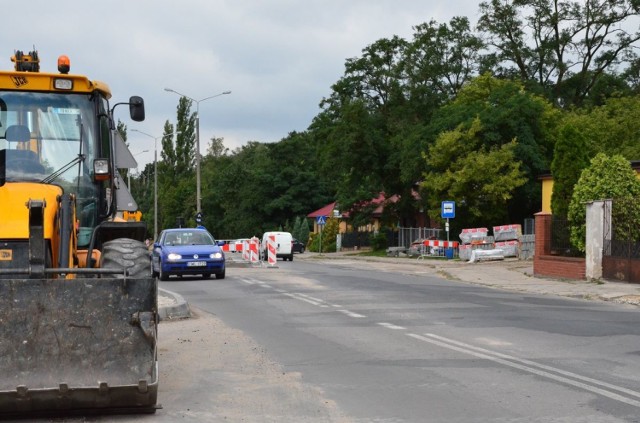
(391,326)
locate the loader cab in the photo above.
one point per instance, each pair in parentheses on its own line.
(61,139)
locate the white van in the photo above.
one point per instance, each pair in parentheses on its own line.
(283,245)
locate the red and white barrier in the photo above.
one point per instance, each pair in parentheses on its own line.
(232,247)
(271,250)
(444,244)
(253,250)
(246,254)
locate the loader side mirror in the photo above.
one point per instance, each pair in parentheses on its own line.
(136,108)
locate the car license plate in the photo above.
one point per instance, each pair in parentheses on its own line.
(196,263)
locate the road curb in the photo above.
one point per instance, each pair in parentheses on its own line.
(173,307)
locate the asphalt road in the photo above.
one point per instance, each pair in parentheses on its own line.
(371,346)
(352,341)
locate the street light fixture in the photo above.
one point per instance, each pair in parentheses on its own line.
(155,177)
(198,198)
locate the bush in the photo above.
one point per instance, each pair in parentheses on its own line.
(379,241)
(329,235)
(606,177)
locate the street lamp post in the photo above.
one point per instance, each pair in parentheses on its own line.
(129,170)
(198,197)
(155,178)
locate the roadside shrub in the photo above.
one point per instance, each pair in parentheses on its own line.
(606,178)
(379,241)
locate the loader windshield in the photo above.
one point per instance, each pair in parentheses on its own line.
(51,138)
(43,132)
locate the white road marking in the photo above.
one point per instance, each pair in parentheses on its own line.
(311,298)
(351,313)
(391,326)
(530,367)
(303,297)
(298,297)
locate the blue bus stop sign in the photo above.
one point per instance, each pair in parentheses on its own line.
(448,210)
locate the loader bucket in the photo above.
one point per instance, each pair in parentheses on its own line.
(74,346)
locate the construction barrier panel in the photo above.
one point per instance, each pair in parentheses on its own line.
(246,255)
(271,250)
(254,257)
(232,247)
(432,247)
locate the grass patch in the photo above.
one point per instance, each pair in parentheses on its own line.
(378,253)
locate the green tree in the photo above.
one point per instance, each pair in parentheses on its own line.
(612,128)
(570,157)
(356,121)
(506,112)
(176,176)
(479,178)
(565,47)
(216,148)
(607,177)
(329,237)
(440,59)
(295,232)
(304,230)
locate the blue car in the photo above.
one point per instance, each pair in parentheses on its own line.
(185,252)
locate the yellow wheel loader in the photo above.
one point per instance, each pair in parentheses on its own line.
(78,304)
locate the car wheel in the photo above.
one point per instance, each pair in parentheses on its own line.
(291,257)
(222,274)
(301,250)
(206,275)
(163,274)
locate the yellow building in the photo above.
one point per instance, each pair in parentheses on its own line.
(547,190)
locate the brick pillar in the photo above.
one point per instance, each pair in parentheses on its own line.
(543,238)
(543,233)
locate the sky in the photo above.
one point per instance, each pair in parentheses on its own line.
(279,58)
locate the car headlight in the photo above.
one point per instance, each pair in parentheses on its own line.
(216,255)
(174,256)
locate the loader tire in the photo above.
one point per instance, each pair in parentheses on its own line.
(125,253)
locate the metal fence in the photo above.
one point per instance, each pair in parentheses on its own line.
(529,226)
(622,233)
(560,239)
(407,235)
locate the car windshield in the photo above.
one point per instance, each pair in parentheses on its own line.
(188,238)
